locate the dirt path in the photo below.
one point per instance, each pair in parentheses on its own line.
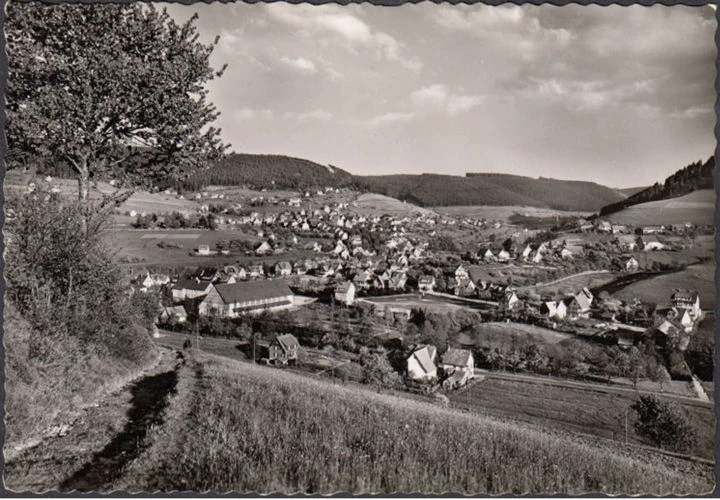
(101,442)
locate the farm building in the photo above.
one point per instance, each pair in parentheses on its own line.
(579,304)
(461,273)
(203,250)
(651,243)
(345,293)
(486,254)
(190,289)
(626,242)
(171,314)
(283,268)
(458,360)
(284,349)
(688,300)
(553,309)
(426,284)
(232,300)
(421,363)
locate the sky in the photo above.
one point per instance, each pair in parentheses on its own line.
(622,96)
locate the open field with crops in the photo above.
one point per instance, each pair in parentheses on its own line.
(580,410)
(240,427)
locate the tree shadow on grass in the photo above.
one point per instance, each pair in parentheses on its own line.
(149,398)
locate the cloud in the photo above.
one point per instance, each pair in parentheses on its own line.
(315,115)
(337,21)
(248,114)
(388,118)
(439,99)
(300,64)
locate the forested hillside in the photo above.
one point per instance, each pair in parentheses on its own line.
(693,177)
(492,189)
(268,171)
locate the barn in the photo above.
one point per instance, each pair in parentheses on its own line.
(230,300)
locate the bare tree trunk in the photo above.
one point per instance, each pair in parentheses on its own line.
(83,183)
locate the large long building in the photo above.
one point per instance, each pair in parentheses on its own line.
(230,300)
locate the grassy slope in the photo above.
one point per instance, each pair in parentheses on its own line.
(42,394)
(698,277)
(697,208)
(239,427)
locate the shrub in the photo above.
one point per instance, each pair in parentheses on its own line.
(664,424)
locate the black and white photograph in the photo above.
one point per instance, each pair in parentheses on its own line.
(430,249)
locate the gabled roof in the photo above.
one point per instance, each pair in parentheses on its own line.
(195,285)
(344,287)
(478,273)
(245,291)
(684,295)
(287,341)
(426,357)
(456,357)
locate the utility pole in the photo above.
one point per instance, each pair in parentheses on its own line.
(626,425)
(197,336)
(253,342)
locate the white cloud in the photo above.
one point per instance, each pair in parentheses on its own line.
(317,115)
(439,99)
(388,118)
(248,114)
(300,64)
(314,21)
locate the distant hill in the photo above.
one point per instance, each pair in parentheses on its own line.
(697,207)
(268,171)
(492,189)
(632,190)
(693,177)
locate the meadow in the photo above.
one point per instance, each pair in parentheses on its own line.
(697,208)
(573,284)
(504,213)
(699,277)
(245,428)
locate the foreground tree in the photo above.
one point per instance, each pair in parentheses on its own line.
(664,424)
(114,91)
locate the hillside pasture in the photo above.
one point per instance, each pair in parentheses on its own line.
(504,213)
(497,333)
(699,277)
(141,201)
(697,208)
(573,284)
(429,303)
(372,204)
(245,428)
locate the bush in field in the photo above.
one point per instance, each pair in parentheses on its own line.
(377,370)
(664,424)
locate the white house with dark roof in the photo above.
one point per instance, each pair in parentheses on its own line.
(190,289)
(246,297)
(345,293)
(421,363)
